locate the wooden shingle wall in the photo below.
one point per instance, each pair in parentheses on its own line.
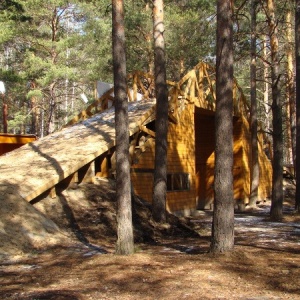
(205,158)
(266,173)
(204,123)
(265,166)
(181,159)
(142,170)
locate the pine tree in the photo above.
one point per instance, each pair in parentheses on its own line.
(297,42)
(253,121)
(161,123)
(223,216)
(277,163)
(123,191)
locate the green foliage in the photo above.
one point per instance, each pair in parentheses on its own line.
(190,35)
(18,122)
(34,93)
(63,47)
(139,41)
(60,48)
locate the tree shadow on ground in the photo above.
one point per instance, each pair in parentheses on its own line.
(75,226)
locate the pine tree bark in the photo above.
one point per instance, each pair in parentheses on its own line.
(253,113)
(291,110)
(125,244)
(266,87)
(277,163)
(297,54)
(223,216)
(161,125)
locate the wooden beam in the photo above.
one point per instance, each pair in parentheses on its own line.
(146,130)
(86,172)
(16,138)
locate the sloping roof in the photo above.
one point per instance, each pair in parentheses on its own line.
(38,166)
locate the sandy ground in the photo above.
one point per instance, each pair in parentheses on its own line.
(170,262)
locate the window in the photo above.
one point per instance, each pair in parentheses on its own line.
(178,182)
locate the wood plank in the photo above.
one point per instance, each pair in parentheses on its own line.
(146,130)
(6,138)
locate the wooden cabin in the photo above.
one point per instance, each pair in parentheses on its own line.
(9,142)
(191,161)
(191,158)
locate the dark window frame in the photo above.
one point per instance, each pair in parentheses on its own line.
(177,182)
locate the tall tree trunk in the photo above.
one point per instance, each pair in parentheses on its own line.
(297,42)
(291,110)
(123,192)
(42,122)
(223,216)
(254,145)
(266,87)
(35,107)
(277,163)
(4,115)
(161,145)
(52,107)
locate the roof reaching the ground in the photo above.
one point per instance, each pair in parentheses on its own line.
(38,166)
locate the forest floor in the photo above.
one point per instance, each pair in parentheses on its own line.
(170,261)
